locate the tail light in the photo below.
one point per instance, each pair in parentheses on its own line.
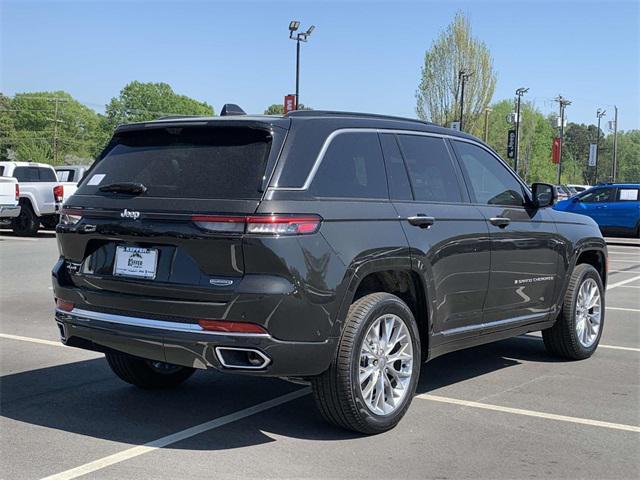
(230,327)
(58,193)
(260,224)
(69,216)
(17,192)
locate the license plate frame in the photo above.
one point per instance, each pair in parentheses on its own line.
(135,262)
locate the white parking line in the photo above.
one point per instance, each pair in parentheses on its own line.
(629,286)
(32,340)
(623,282)
(528,336)
(637,254)
(615,260)
(176,437)
(624,309)
(530,413)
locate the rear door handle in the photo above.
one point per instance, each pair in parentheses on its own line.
(500,221)
(421,220)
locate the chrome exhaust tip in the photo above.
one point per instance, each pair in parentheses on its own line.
(243,358)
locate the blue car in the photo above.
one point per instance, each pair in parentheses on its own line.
(615,207)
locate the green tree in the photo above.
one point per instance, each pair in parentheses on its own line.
(278,109)
(140,102)
(49,126)
(438,95)
(628,157)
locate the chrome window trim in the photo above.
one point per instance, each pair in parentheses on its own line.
(81,314)
(327,143)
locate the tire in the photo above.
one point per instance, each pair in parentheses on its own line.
(146,373)
(26,224)
(338,392)
(565,338)
(49,222)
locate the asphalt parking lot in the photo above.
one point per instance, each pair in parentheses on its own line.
(505,410)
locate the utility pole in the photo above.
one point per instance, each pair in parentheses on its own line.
(462,77)
(614,168)
(487,111)
(55,135)
(298,37)
(600,113)
(563,102)
(519,93)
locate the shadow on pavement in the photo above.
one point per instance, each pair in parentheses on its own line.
(86,398)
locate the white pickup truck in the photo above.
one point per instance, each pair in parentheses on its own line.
(69,176)
(41,196)
(9,196)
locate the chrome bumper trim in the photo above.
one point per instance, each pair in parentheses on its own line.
(150,323)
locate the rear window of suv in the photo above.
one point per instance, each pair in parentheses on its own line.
(186,162)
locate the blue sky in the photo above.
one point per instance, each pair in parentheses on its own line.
(363,55)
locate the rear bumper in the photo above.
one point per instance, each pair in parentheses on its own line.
(188,345)
(9,211)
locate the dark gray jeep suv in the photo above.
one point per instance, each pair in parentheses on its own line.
(335,248)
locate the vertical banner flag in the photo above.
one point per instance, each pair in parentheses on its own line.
(289,103)
(555,150)
(511,144)
(593,154)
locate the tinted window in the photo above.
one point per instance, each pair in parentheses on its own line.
(47,175)
(1,171)
(628,194)
(430,169)
(491,182)
(26,174)
(399,187)
(186,163)
(352,167)
(599,195)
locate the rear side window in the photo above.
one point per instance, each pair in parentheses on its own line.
(628,195)
(186,162)
(1,171)
(430,169)
(65,175)
(352,167)
(599,195)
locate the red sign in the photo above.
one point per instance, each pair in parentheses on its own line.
(555,151)
(289,103)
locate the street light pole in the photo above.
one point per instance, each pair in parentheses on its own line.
(298,37)
(614,171)
(462,76)
(487,111)
(519,93)
(563,102)
(600,113)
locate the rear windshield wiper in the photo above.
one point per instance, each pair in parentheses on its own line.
(125,187)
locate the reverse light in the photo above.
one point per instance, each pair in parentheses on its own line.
(260,224)
(64,305)
(231,327)
(58,193)
(17,192)
(70,216)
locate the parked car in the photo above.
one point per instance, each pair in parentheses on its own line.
(615,207)
(563,192)
(578,188)
(69,176)
(332,248)
(9,196)
(41,196)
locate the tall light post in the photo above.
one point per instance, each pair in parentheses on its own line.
(487,111)
(614,164)
(519,93)
(298,37)
(463,75)
(600,113)
(563,102)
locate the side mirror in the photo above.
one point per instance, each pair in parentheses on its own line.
(544,195)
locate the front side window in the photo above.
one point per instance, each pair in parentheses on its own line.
(430,168)
(352,167)
(491,182)
(599,195)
